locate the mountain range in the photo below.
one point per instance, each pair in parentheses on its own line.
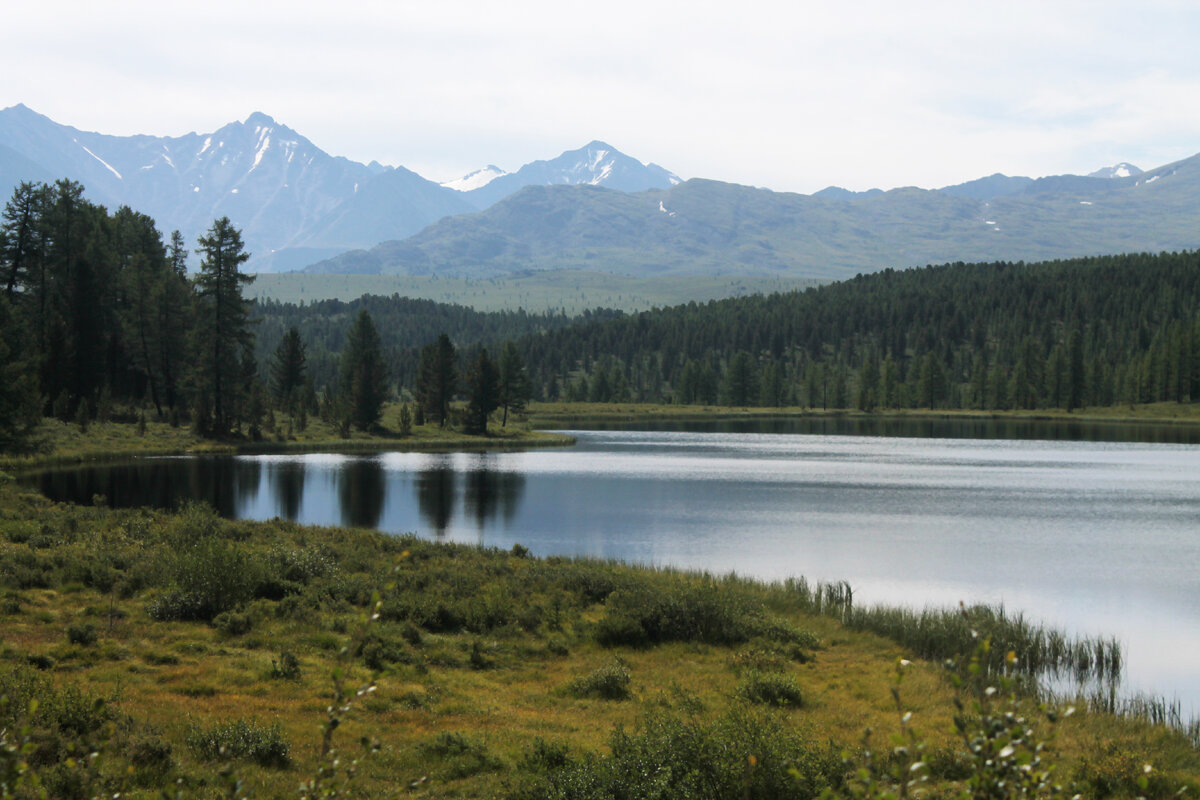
(594,208)
(294,203)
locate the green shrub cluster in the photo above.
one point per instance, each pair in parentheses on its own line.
(672,757)
(241,739)
(677,608)
(460,756)
(609,682)
(770,688)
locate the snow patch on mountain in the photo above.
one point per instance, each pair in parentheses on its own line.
(476,179)
(101,160)
(1122,170)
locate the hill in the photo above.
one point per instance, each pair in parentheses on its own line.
(703,227)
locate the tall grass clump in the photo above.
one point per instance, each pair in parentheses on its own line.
(955,633)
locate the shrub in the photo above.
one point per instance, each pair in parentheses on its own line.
(286,668)
(242,739)
(543,756)
(210,576)
(610,682)
(232,624)
(770,688)
(673,757)
(681,610)
(461,756)
(82,635)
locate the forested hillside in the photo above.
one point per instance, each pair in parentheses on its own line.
(1095,331)
(1065,334)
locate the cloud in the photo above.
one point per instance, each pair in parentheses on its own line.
(785,95)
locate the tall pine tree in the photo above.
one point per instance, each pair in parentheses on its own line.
(222,323)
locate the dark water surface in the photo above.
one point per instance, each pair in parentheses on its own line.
(1098,537)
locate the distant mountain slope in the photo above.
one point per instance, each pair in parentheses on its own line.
(293,202)
(707,227)
(277,186)
(595,164)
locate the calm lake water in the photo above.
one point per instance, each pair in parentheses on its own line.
(1094,537)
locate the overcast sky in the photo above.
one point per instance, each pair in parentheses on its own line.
(793,96)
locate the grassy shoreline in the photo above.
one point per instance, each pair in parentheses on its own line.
(544,415)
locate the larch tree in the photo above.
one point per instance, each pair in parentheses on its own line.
(289,366)
(483,392)
(364,373)
(437,378)
(222,323)
(514,386)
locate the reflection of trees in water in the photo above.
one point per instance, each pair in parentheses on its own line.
(289,487)
(490,492)
(435,495)
(360,492)
(223,483)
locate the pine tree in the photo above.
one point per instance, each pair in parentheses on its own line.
(437,378)
(363,373)
(222,323)
(514,381)
(483,392)
(741,380)
(20,405)
(288,367)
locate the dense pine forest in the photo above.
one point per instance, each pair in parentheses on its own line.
(1086,332)
(98,311)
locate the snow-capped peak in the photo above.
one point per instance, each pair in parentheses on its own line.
(480,177)
(1122,170)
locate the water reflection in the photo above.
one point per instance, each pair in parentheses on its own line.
(288,477)
(361,489)
(435,494)
(491,493)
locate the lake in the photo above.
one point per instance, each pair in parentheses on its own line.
(1097,537)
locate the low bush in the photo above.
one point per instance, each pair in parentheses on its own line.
(609,682)
(83,635)
(543,756)
(209,577)
(250,740)
(232,623)
(461,756)
(286,668)
(770,688)
(674,757)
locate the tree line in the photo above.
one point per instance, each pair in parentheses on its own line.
(1082,332)
(98,312)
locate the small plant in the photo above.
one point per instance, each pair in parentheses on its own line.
(610,682)
(286,668)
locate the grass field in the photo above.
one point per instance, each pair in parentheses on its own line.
(568,291)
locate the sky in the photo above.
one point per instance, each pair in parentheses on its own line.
(791,96)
